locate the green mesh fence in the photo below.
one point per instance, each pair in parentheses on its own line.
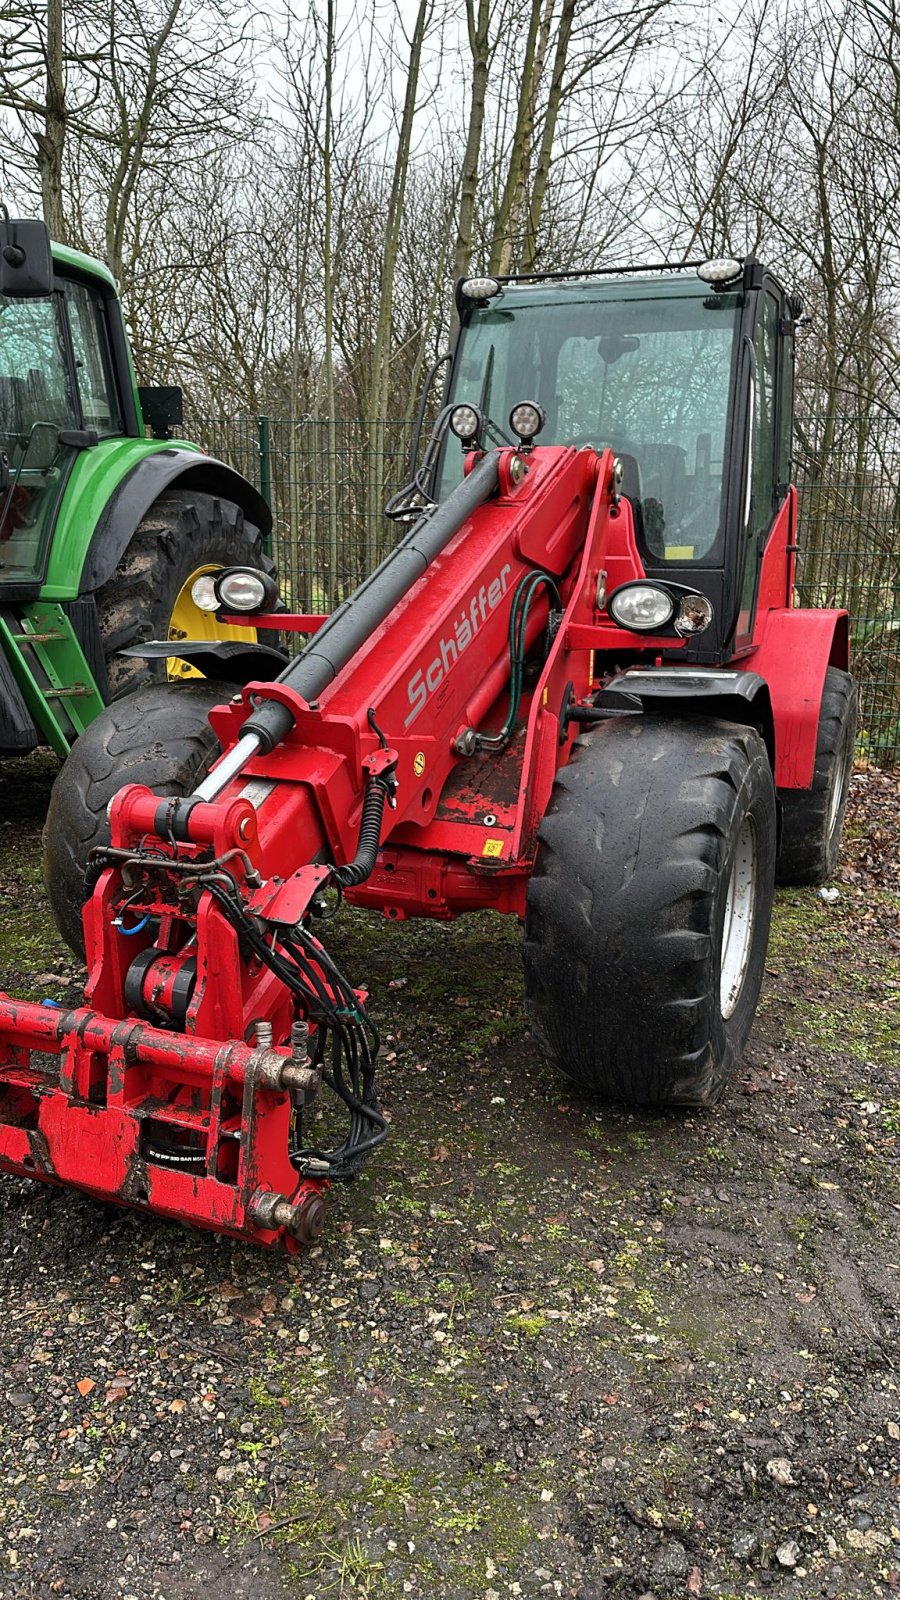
(848,476)
(327,482)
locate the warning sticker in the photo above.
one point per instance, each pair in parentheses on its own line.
(419,763)
(256,790)
(492,847)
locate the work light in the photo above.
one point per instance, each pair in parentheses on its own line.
(480,288)
(466,422)
(721,270)
(526,420)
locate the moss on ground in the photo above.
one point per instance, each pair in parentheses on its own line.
(539,1335)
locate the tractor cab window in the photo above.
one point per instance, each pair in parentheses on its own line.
(93,367)
(37,402)
(660,398)
(786,415)
(641,365)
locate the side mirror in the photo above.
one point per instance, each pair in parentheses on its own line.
(162,409)
(26,264)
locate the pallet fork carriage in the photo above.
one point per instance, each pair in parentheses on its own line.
(577,691)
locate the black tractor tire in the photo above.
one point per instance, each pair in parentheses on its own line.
(649,826)
(160,736)
(812,820)
(181,532)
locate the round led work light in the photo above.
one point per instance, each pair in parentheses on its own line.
(466,422)
(526,420)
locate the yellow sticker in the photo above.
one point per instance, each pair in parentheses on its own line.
(492,847)
(679,552)
(419,763)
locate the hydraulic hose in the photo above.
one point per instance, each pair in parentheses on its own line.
(369,841)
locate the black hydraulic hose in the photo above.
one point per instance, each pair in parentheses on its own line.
(363,611)
(368,844)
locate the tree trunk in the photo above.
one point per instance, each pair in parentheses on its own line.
(468,186)
(381,355)
(332,576)
(501,247)
(52,139)
(551,116)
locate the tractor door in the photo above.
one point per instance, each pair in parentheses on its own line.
(38,403)
(768,464)
(57,378)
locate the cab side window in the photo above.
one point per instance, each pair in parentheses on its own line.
(765,441)
(96,386)
(764,445)
(786,417)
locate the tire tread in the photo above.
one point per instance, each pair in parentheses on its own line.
(617,941)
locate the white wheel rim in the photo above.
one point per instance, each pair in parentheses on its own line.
(838,781)
(740,916)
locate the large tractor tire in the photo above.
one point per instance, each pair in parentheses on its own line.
(149,595)
(812,820)
(160,736)
(648,912)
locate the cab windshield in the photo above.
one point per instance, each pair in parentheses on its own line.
(641,365)
(36,404)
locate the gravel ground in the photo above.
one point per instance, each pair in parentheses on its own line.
(544,1347)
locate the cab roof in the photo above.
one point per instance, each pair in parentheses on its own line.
(85,266)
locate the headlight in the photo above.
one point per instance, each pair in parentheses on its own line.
(203,592)
(641,606)
(479,288)
(466,422)
(694,614)
(244,589)
(526,420)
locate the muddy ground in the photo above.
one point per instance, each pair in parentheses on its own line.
(544,1348)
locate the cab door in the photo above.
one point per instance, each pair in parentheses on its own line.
(767,471)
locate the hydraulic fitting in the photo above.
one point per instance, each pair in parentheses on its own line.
(304,1221)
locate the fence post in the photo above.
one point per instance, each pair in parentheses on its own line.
(265,470)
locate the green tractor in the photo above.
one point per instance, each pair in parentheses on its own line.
(103,531)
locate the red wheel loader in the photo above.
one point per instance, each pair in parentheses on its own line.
(577,691)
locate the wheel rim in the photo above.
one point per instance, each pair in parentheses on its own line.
(189,622)
(839,776)
(740,917)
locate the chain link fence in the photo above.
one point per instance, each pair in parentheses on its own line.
(327,481)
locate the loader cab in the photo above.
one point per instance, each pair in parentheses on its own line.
(690,383)
(66,386)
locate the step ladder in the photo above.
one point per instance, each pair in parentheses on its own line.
(51,670)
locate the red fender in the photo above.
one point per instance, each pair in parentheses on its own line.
(794,649)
